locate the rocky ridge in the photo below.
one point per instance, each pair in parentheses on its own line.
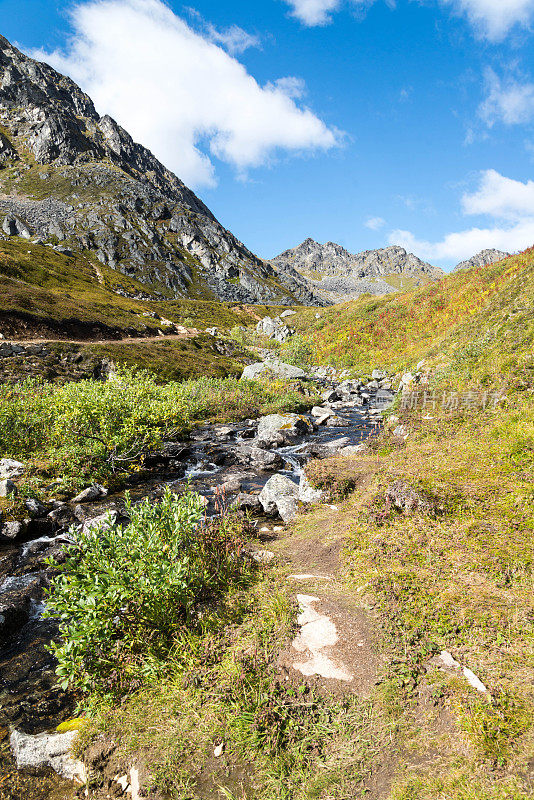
(333,270)
(482,259)
(75,179)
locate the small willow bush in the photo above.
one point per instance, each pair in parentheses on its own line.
(126,596)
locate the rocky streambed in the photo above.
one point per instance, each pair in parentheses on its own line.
(258,465)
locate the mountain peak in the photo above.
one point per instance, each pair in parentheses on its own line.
(67,173)
(482,259)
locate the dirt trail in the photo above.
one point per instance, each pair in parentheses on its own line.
(336,644)
(127,340)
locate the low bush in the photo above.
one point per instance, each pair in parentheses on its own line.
(125,594)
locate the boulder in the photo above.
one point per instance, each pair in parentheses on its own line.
(337,422)
(378,375)
(9,468)
(7,488)
(35,508)
(288,313)
(274,329)
(12,531)
(331,395)
(94,492)
(247,502)
(307,494)
(279,429)
(101,521)
(35,753)
(231,486)
(280,495)
(259,459)
(273,367)
(13,226)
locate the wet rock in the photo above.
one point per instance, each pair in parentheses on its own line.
(61,516)
(337,422)
(280,495)
(9,468)
(94,492)
(7,488)
(372,385)
(247,502)
(331,395)
(231,486)
(17,598)
(36,753)
(279,429)
(12,531)
(35,508)
(258,458)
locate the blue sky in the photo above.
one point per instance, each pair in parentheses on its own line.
(364,123)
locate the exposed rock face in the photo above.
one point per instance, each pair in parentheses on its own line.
(482,259)
(337,272)
(66,173)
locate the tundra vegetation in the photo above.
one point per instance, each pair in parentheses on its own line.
(451,572)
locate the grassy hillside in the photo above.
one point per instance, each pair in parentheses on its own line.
(476,324)
(41,287)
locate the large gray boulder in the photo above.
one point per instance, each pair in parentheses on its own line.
(36,753)
(273,367)
(280,495)
(279,429)
(274,328)
(9,468)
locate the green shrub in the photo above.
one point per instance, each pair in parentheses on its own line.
(125,594)
(100,430)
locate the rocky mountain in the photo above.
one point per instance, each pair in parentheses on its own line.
(335,271)
(482,259)
(77,181)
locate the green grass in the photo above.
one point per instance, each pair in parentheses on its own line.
(458,579)
(471,326)
(43,287)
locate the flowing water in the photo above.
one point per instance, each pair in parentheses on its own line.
(29,698)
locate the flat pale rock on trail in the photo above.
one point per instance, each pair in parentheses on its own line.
(336,644)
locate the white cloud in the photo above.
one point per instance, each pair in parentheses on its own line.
(494,19)
(313,12)
(234,39)
(508,101)
(375,223)
(501,198)
(181,94)
(491,19)
(510,205)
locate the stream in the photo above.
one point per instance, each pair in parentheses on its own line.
(215,458)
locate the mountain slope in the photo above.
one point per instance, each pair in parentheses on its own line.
(69,175)
(337,273)
(475,324)
(482,259)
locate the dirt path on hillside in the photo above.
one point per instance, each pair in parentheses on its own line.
(127,340)
(336,647)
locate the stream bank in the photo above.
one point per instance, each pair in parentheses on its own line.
(235,461)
